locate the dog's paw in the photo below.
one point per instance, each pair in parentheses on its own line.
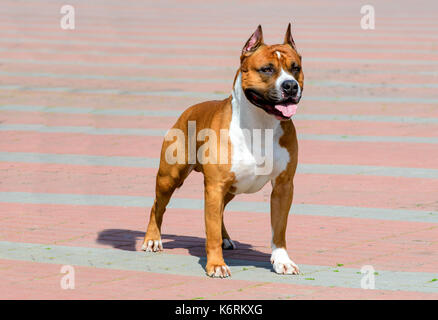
(152,246)
(218,271)
(228,244)
(281,262)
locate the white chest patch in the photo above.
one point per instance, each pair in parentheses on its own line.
(250,174)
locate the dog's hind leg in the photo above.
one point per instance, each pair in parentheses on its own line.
(227,243)
(169,178)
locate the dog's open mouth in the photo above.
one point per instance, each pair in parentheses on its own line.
(282,110)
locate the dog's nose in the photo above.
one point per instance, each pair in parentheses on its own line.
(290,88)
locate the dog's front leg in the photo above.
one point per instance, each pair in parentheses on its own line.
(281,200)
(214,207)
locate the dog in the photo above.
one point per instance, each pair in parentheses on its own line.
(266,90)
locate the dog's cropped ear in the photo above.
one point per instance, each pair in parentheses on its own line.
(288,38)
(254,42)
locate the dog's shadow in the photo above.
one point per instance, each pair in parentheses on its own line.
(127,239)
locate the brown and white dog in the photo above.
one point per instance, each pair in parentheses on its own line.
(267,88)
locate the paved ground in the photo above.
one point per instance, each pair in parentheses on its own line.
(82,115)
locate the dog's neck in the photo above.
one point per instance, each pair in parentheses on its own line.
(248,115)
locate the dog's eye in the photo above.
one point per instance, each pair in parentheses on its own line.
(267,69)
(295,68)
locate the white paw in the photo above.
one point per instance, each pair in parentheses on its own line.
(228,244)
(152,246)
(282,263)
(220,272)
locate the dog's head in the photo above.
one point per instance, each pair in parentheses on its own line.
(272,77)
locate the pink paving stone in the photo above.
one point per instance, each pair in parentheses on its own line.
(220,81)
(396,154)
(364,128)
(229,36)
(212,49)
(219,78)
(24,280)
(315,240)
(92,120)
(232,41)
(172,75)
(230,52)
(348,190)
(386,26)
(313,68)
(139,88)
(230,60)
(99,101)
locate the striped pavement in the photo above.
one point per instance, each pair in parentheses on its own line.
(82,117)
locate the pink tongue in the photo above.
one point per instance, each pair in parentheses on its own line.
(287,110)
